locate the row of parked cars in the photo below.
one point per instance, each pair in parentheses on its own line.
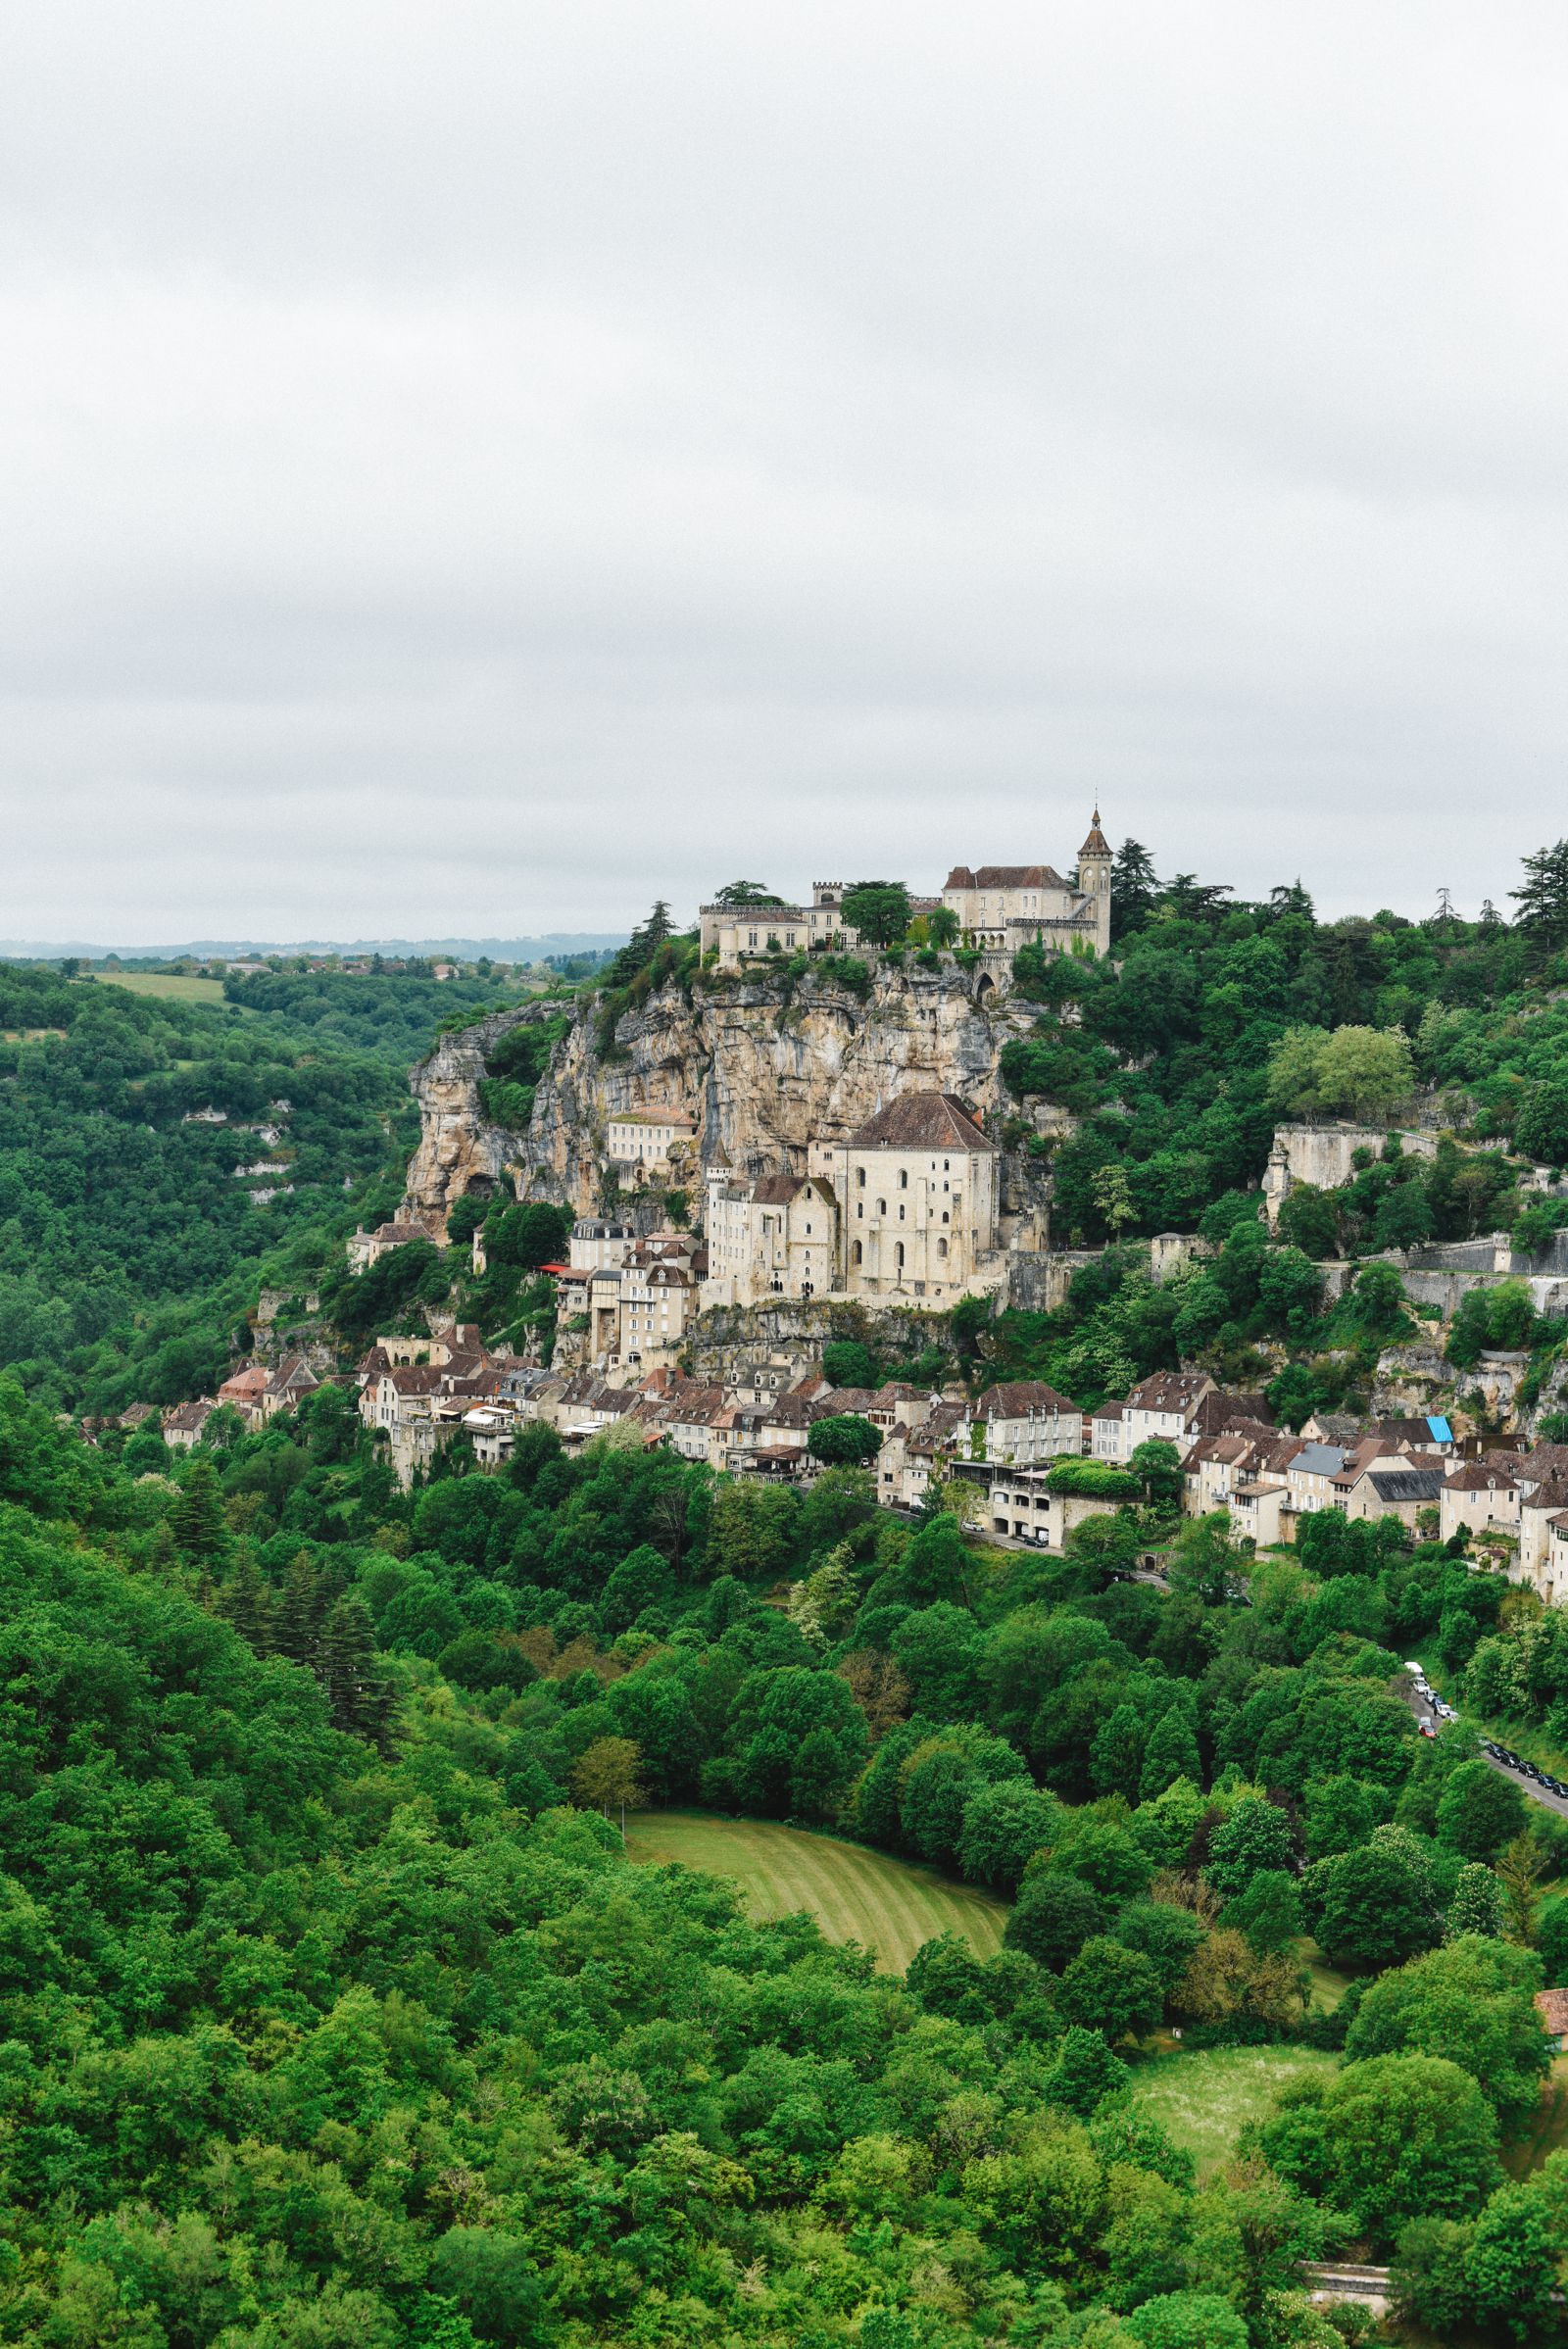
(1429,1696)
(1499,1753)
(1514,1761)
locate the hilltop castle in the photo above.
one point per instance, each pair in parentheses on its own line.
(999,909)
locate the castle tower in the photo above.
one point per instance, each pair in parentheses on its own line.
(1093,881)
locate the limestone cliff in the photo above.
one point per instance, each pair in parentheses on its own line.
(764,1067)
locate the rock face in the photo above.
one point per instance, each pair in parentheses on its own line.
(763,1068)
(458,1149)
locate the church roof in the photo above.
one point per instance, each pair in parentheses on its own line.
(1006,876)
(920,1122)
(1097,845)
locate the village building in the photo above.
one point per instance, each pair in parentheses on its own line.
(1002,907)
(595,1243)
(644,1139)
(919,1193)
(735,935)
(767,1236)
(1107,1432)
(185,1424)
(1483,1497)
(1022,1422)
(364,1248)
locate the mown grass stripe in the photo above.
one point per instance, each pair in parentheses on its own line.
(855,1894)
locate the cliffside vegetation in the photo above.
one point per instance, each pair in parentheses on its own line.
(328,2021)
(1220,1020)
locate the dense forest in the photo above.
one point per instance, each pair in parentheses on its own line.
(336,2015)
(130,1246)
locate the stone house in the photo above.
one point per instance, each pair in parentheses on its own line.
(1258,1510)
(767,1236)
(595,1244)
(1310,1476)
(1107,1432)
(919,1193)
(735,935)
(1001,908)
(183,1425)
(1541,1550)
(1022,1506)
(658,1299)
(364,1248)
(644,1139)
(1390,1486)
(1484,1496)
(1021,1422)
(1162,1409)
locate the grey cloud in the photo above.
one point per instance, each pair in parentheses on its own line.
(470,468)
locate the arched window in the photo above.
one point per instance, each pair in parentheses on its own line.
(944,1215)
(860,1210)
(898,1255)
(901,1211)
(859,1176)
(942,1248)
(881,1206)
(857,1251)
(904,1178)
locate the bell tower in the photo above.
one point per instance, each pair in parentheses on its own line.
(1093,882)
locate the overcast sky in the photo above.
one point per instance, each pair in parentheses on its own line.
(473,467)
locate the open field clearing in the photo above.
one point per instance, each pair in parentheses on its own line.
(1205,2098)
(152,982)
(855,1894)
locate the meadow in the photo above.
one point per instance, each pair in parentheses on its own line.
(855,1894)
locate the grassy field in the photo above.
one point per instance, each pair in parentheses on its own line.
(855,1894)
(152,982)
(1204,2099)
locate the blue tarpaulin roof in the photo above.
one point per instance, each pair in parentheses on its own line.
(1442,1433)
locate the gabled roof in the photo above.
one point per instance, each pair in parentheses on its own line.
(1321,1459)
(1409,1484)
(921,1121)
(1494,1471)
(1006,876)
(777,1190)
(1017,1400)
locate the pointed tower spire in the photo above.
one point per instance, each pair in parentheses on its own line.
(1097,844)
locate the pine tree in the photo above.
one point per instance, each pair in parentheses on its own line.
(301,1611)
(1134,887)
(247,1602)
(1543,902)
(196,1517)
(360,1697)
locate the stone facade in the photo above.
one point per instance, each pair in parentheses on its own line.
(1001,908)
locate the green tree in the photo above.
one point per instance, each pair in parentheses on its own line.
(1186,2319)
(1478,1811)
(1470,2002)
(1256,1836)
(1110,1988)
(1053,1917)
(1388,2141)
(1369,1907)
(1158,1465)
(1541,1128)
(843,1441)
(878,910)
(196,1516)
(1170,1754)
(1477,1905)
(1511,2267)
(1542,899)
(606,1778)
